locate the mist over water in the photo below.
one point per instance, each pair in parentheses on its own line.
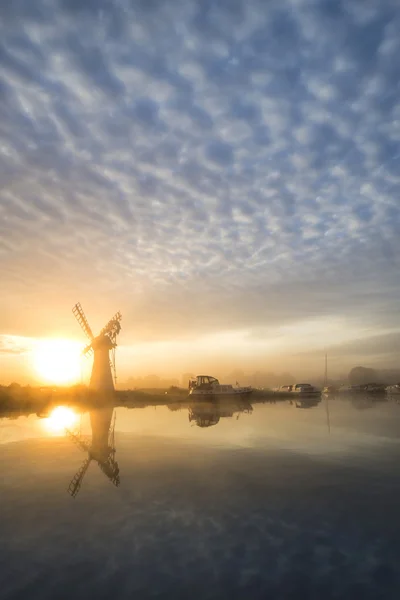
(265,499)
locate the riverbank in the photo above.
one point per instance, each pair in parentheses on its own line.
(15,399)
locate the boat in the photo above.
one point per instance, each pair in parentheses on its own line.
(374,388)
(283,389)
(393,390)
(207,386)
(305,390)
(302,390)
(362,389)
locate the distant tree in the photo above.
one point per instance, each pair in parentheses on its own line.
(15,391)
(362,375)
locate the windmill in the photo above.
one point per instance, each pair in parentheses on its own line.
(100,346)
(101,449)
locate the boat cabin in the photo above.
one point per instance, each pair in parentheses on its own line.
(203,382)
(285,388)
(300,386)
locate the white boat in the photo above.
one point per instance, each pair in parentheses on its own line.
(207,386)
(393,390)
(305,390)
(283,389)
(302,390)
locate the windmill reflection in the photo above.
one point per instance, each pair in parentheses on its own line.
(101,448)
(205,413)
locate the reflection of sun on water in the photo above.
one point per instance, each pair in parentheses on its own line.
(60,418)
(58,361)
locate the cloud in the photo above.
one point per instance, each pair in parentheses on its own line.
(213,167)
(14,345)
(383,347)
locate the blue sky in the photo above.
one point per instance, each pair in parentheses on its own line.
(217,167)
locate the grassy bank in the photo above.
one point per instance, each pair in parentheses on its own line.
(27,400)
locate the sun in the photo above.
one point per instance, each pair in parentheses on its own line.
(58,361)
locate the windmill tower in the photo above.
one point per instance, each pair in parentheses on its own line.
(100,346)
(101,449)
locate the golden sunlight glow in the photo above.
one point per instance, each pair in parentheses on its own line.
(58,361)
(60,418)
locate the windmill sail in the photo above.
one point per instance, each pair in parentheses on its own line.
(76,481)
(113,327)
(82,320)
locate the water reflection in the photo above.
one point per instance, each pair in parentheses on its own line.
(307,402)
(205,413)
(222,502)
(59,419)
(100,449)
(363,402)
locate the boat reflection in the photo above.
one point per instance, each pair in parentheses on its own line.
(205,413)
(100,449)
(307,402)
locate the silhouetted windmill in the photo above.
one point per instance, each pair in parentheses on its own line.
(101,378)
(101,449)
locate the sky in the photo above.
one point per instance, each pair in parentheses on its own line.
(225,173)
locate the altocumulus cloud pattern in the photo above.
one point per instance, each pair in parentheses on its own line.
(225,149)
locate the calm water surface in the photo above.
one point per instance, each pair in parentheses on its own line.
(220,502)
